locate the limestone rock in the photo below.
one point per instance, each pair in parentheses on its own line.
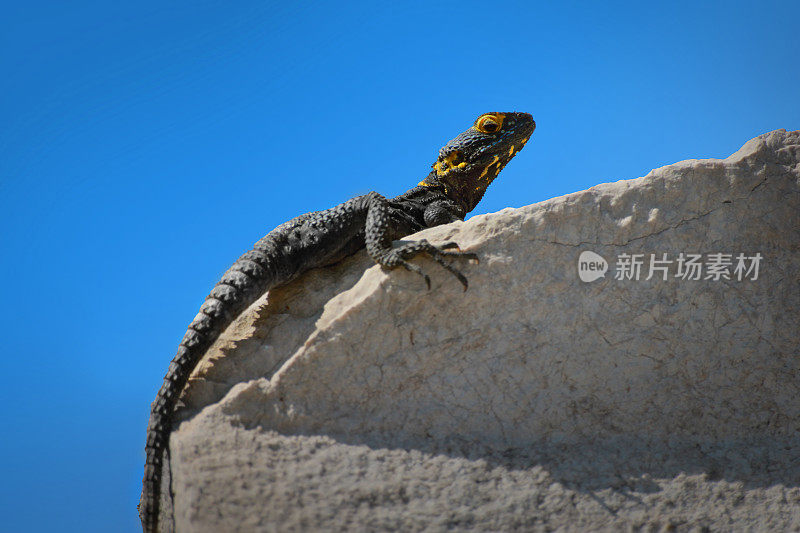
(354,399)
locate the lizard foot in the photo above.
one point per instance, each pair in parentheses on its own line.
(398,257)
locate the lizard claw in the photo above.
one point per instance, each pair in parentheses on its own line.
(398,257)
(416,269)
(446,247)
(462,279)
(438,253)
(469,256)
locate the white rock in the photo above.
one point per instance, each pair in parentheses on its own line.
(354,399)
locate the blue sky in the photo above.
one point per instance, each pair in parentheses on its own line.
(144,147)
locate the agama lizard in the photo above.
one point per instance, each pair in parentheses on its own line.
(464,169)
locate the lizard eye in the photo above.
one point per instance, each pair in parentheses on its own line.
(487,124)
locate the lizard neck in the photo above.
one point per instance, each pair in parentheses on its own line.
(461,190)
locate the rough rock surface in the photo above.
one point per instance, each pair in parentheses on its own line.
(354,399)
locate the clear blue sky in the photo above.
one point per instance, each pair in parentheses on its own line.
(143,148)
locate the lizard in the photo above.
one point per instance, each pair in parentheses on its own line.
(456,183)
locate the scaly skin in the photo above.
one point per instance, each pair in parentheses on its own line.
(465,168)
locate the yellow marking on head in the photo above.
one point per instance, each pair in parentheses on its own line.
(449,163)
(511,151)
(485,170)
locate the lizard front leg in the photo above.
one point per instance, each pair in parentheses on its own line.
(378,236)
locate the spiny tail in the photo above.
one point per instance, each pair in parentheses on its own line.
(254,273)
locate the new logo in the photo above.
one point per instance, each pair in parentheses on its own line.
(591,266)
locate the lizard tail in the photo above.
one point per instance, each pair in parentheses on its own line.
(254,273)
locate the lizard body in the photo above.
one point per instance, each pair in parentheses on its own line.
(464,169)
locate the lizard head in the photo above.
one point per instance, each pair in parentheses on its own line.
(468,164)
